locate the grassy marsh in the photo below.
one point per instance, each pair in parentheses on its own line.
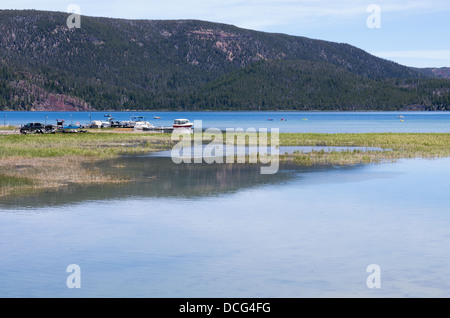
(395,145)
(96,145)
(39,162)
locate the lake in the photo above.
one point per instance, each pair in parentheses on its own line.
(225,230)
(315,122)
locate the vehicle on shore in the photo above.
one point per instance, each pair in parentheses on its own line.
(106,124)
(182,123)
(71,126)
(37,128)
(115,124)
(142,124)
(95,124)
(138,123)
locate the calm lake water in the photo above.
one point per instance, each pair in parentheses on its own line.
(321,122)
(222,230)
(225,230)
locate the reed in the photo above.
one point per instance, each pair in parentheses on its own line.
(39,162)
(10,184)
(395,146)
(99,145)
(32,163)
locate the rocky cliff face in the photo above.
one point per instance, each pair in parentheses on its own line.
(42,99)
(443,72)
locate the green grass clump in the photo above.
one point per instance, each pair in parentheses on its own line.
(12,181)
(105,145)
(14,184)
(101,145)
(394,146)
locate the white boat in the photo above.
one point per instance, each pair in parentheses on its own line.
(182,123)
(138,123)
(141,124)
(105,124)
(95,124)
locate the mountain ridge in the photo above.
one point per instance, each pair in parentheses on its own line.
(120,64)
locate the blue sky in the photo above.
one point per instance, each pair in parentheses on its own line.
(412,33)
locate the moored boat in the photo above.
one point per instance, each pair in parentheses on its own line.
(141,124)
(182,123)
(137,122)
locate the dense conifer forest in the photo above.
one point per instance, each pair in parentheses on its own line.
(115,64)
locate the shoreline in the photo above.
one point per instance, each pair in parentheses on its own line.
(407,110)
(33,163)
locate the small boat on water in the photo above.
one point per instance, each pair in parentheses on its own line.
(182,123)
(157,117)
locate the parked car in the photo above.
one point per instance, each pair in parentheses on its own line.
(72,126)
(36,128)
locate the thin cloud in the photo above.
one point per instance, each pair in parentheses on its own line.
(418,58)
(420,54)
(263,12)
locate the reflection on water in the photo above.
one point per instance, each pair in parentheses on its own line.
(227,231)
(241,150)
(157,177)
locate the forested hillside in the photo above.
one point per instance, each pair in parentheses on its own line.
(114,64)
